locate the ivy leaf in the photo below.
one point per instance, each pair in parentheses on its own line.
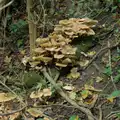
(118,115)
(113,95)
(108,71)
(117,78)
(74,117)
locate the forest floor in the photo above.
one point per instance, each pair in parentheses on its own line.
(96,82)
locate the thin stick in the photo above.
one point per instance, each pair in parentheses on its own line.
(112,114)
(110,65)
(13,112)
(8,4)
(82,107)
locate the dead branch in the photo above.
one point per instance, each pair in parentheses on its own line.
(82,107)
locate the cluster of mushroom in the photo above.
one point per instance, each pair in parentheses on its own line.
(57,48)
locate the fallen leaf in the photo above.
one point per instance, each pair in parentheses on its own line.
(7,59)
(4,97)
(68,87)
(74,74)
(113,95)
(85,93)
(35,112)
(25,60)
(47,92)
(74,117)
(36,94)
(99,79)
(91,100)
(83,63)
(91,53)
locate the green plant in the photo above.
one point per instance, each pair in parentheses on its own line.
(107,70)
(118,115)
(74,117)
(16,27)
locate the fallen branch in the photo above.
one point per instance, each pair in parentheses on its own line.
(82,107)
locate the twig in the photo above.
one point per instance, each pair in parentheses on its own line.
(100,111)
(109,52)
(8,4)
(101,50)
(44,16)
(112,114)
(82,107)
(13,112)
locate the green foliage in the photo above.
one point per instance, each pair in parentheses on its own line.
(15,27)
(107,70)
(40,119)
(74,117)
(118,115)
(114,94)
